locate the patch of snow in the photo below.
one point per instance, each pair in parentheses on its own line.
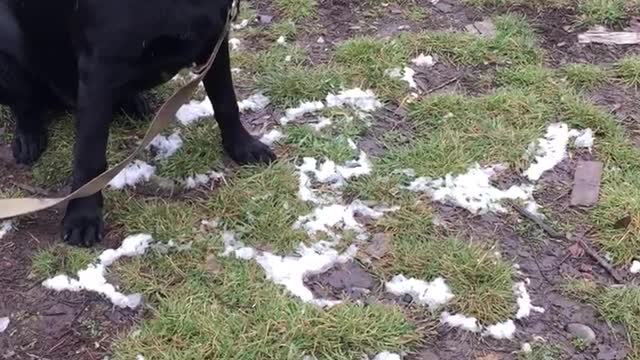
(236,70)
(281,40)
(326,218)
(329,173)
(634,269)
(433,294)
(584,138)
(165,146)
(287,58)
(320,40)
(471,190)
(302,109)
(460,321)
(271,137)
(405,74)
(501,331)
(526,348)
(524,302)
(550,150)
(193,111)
(241,26)
(423,60)
(4,324)
(92,278)
(5,227)
(255,103)
(356,98)
(235,43)
(194,181)
(322,123)
(385,355)
(136,172)
(139,357)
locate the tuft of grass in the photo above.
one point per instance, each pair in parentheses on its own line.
(628,70)
(483,281)
(60,259)
(612,13)
(261,207)
(287,29)
(296,10)
(584,76)
(542,352)
(212,316)
(614,305)
(535,76)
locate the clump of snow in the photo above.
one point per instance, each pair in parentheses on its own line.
(423,60)
(92,278)
(271,137)
(320,40)
(405,74)
(501,331)
(193,111)
(194,181)
(241,26)
(136,172)
(256,102)
(302,109)
(584,138)
(460,321)
(165,146)
(326,218)
(634,269)
(139,357)
(385,355)
(524,302)
(281,40)
(356,98)
(4,324)
(237,248)
(235,43)
(322,123)
(5,227)
(329,173)
(471,190)
(433,294)
(526,348)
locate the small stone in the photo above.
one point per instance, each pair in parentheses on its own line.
(484,28)
(582,332)
(265,19)
(407,298)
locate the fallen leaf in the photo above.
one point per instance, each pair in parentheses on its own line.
(623,223)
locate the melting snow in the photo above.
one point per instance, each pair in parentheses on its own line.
(405,74)
(322,123)
(4,324)
(584,138)
(92,278)
(329,173)
(241,26)
(385,355)
(165,146)
(271,137)
(5,227)
(356,98)
(298,112)
(524,302)
(634,269)
(136,172)
(423,60)
(501,331)
(281,40)
(325,218)
(189,113)
(255,103)
(235,43)
(460,321)
(432,294)
(194,181)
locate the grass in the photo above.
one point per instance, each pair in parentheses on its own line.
(542,352)
(296,10)
(614,305)
(60,259)
(628,71)
(612,13)
(585,76)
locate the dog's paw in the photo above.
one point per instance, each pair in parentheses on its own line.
(82,226)
(137,107)
(249,150)
(28,147)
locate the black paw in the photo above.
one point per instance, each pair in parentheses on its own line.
(137,107)
(27,147)
(248,150)
(82,225)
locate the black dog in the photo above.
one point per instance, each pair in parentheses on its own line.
(97,56)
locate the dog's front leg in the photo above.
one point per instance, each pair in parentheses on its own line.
(83,222)
(238,143)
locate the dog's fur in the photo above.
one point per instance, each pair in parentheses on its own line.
(96,56)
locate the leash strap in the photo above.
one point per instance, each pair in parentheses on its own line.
(164,117)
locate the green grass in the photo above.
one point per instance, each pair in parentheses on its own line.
(614,305)
(612,13)
(296,10)
(628,70)
(585,76)
(60,259)
(542,352)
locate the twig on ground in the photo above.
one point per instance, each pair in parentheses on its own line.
(538,221)
(30,189)
(444,84)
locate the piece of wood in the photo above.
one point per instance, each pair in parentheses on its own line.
(586,183)
(609,37)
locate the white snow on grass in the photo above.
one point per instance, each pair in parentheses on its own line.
(405,74)
(385,355)
(471,190)
(4,324)
(243,24)
(336,216)
(136,172)
(524,302)
(255,103)
(271,137)
(634,269)
(423,60)
(460,321)
(197,180)
(322,123)
(92,278)
(5,228)
(194,110)
(234,43)
(281,40)
(355,98)
(433,294)
(166,146)
(500,331)
(302,109)
(584,138)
